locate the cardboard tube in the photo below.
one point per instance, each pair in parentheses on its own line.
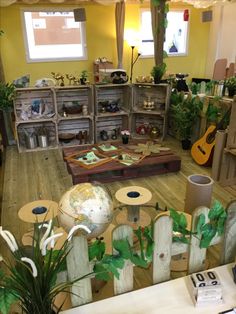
(198,192)
(221,136)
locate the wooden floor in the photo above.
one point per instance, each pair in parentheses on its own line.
(43,175)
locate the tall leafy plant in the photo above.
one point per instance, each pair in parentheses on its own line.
(7,94)
(31,275)
(184,111)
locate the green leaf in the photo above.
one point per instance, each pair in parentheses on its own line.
(118,262)
(111,267)
(200,223)
(138,261)
(96,250)
(6,300)
(182,221)
(123,247)
(208,234)
(216,210)
(101,272)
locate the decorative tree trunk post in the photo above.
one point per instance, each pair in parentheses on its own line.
(158,28)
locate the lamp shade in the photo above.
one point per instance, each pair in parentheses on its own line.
(80,15)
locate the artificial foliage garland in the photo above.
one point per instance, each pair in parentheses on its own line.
(109,264)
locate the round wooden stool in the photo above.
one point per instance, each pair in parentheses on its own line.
(132,197)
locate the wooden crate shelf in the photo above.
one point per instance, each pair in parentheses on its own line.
(120,94)
(74,127)
(49,128)
(119,122)
(75,96)
(129,116)
(159,95)
(148,121)
(32,104)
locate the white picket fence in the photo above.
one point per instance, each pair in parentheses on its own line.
(78,263)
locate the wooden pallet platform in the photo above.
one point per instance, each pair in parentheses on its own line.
(163,162)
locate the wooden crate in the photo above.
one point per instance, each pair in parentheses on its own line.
(48,126)
(147,120)
(109,123)
(120,93)
(77,95)
(74,126)
(28,100)
(158,93)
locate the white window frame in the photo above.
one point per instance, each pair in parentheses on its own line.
(31,59)
(169,54)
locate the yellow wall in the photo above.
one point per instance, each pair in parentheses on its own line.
(100,33)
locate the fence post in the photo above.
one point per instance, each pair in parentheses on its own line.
(229,239)
(126,281)
(163,232)
(197,256)
(78,266)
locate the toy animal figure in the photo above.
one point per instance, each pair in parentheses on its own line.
(71,78)
(58,77)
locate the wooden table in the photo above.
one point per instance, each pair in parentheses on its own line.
(154,164)
(169,297)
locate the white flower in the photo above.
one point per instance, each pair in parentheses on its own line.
(47,232)
(75,228)
(9,238)
(32,264)
(50,240)
(125,132)
(1,258)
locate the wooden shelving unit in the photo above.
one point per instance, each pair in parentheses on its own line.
(112,104)
(59,111)
(141,116)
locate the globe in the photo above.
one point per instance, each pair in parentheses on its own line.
(87,204)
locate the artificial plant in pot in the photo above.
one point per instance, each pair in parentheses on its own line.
(185,110)
(30,277)
(7,94)
(83,77)
(230,84)
(158,71)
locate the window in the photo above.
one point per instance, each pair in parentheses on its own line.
(53,36)
(175,37)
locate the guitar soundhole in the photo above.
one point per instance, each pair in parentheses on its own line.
(210,138)
(201,150)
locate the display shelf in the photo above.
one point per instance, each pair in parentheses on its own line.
(74,101)
(32,104)
(141,124)
(112,98)
(109,124)
(90,109)
(75,132)
(150,109)
(28,135)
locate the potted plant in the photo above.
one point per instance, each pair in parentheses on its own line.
(125,136)
(83,77)
(31,275)
(157,72)
(184,111)
(230,83)
(7,94)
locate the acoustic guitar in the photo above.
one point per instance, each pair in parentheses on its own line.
(203,149)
